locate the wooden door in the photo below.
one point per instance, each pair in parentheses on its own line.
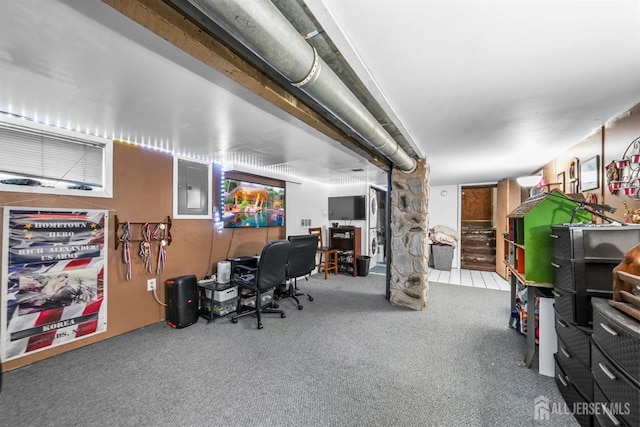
(478,234)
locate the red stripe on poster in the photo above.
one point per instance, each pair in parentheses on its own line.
(78,263)
(87,328)
(40,341)
(45,339)
(91,326)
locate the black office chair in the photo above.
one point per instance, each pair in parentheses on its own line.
(271,272)
(302,261)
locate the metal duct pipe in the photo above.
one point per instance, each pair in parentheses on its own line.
(260,26)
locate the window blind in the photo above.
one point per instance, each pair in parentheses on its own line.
(37,154)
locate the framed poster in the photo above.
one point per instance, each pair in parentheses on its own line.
(54,288)
(589,174)
(560,181)
(573,175)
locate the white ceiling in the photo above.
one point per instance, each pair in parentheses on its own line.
(485,90)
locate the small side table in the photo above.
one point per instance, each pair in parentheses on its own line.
(216,299)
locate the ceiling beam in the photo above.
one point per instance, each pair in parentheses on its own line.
(170,24)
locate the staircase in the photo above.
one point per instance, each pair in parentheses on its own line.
(478,248)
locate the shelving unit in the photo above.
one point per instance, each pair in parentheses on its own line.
(347,241)
(216,299)
(528,249)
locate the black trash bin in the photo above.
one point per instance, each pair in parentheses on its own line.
(363,265)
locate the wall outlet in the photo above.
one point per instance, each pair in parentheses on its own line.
(151,284)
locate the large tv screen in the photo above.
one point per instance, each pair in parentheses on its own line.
(347,208)
(249,204)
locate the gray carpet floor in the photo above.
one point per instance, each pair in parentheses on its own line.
(349,358)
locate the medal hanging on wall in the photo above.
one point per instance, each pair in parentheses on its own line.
(126,248)
(145,248)
(161,233)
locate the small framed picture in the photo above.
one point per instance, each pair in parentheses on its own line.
(560,182)
(589,174)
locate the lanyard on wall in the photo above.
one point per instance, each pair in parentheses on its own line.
(161,233)
(126,248)
(145,248)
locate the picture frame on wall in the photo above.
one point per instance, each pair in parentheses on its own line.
(561,182)
(573,175)
(589,174)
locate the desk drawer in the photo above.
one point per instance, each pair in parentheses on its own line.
(615,386)
(618,335)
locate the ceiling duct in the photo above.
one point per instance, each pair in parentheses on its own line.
(261,28)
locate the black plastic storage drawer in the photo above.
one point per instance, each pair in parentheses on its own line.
(615,386)
(584,276)
(618,335)
(608,414)
(563,273)
(577,372)
(594,242)
(571,395)
(575,307)
(563,244)
(577,339)
(565,304)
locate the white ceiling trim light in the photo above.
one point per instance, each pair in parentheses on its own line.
(529,181)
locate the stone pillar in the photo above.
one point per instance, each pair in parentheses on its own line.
(409,237)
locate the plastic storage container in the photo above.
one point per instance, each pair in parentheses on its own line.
(222,308)
(442,257)
(225,294)
(250,301)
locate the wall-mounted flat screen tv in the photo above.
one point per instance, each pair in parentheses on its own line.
(347,208)
(249,204)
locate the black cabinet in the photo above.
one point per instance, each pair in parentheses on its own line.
(584,257)
(574,357)
(618,335)
(616,364)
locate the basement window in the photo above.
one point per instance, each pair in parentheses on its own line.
(36,158)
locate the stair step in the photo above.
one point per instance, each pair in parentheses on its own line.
(478,248)
(477,266)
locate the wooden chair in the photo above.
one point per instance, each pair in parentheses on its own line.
(328,257)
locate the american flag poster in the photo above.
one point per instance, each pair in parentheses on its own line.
(53,278)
